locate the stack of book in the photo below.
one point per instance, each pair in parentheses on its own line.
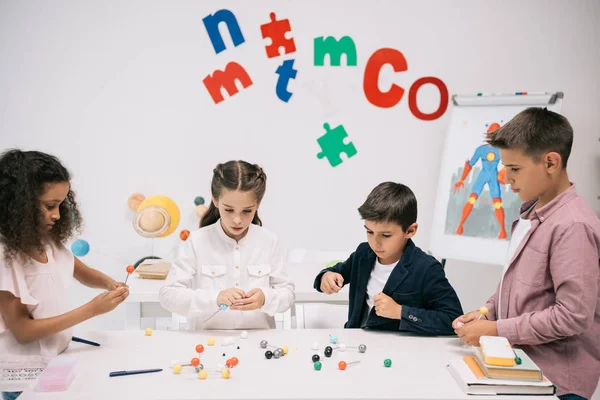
(496,368)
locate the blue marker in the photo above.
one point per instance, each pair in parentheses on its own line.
(135,372)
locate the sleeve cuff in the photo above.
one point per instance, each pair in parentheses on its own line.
(269,297)
(507,328)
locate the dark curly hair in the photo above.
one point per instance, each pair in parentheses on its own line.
(24,176)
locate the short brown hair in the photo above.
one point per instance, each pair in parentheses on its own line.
(390,202)
(535,131)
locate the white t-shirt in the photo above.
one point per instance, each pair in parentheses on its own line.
(521,230)
(377,280)
(210,261)
(42,288)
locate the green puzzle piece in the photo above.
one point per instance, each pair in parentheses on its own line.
(332,145)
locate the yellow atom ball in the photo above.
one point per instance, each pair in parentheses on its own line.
(285,349)
(202,374)
(177,368)
(483,310)
(211,341)
(225,373)
(148,331)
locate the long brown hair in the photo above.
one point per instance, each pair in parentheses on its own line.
(235,175)
(24,177)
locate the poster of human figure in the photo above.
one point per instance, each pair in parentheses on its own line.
(475,206)
(481,203)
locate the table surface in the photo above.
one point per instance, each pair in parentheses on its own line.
(418,371)
(303,275)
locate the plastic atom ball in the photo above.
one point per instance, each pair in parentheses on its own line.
(134,201)
(211,341)
(285,349)
(226,373)
(199,200)
(342,365)
(483,310)
(80,248)
(130,269)
(177,368)
(199,348)
(387,363)
(184,235)
(203,374)
(148,331)
(200,211)
(195,362)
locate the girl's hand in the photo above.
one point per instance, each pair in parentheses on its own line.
(108,301)
(253,300)
(114,285)
(229,296)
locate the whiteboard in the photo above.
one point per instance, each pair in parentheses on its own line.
(470,119)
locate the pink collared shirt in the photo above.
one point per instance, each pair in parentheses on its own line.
(550,294)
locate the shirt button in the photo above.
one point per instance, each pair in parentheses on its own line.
(237,248)
(410,317)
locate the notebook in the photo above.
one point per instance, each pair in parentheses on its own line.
(153,270)
(472,380)
(527,370)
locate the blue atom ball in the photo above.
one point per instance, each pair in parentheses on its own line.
(80,248)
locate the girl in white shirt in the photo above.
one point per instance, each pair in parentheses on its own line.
(231,259)
(38,213)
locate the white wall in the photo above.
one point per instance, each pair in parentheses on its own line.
(115,90)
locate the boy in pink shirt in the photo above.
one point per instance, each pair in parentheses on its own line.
(547,302)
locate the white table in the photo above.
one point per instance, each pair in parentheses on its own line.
(418,370)
(303,275)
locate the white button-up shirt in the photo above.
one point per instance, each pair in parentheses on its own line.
(210,261)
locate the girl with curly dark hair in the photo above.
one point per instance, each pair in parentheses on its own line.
(38,214)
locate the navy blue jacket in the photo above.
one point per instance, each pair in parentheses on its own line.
(417,282)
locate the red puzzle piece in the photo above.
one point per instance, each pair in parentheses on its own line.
(276,30)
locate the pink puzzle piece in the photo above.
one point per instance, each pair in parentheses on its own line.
(276,30)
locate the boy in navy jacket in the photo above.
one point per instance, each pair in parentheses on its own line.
(394,285)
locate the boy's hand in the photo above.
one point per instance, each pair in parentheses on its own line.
(386,307)
(253,300)
(230,296)
(465,319)
(471,332)
(331,282)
